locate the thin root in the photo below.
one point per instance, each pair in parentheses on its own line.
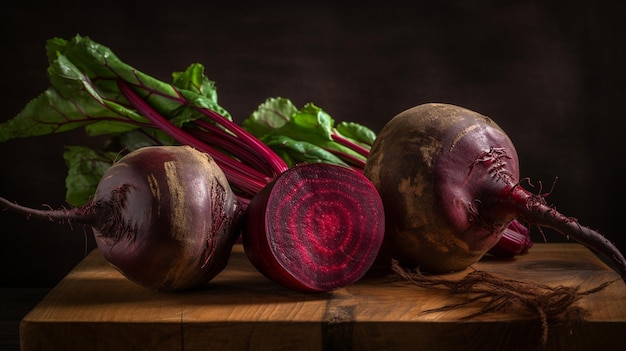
(491,293)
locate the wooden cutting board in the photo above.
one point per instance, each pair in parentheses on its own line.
(95,308)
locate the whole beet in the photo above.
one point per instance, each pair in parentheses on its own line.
(165,216)
(449,181)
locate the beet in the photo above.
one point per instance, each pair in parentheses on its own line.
(449,181)
(165,216)
(316,227)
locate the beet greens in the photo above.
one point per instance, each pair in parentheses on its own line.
(93,89)
(309,134)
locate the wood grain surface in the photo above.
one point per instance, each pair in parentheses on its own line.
(96,308)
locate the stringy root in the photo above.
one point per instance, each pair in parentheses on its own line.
(553,305)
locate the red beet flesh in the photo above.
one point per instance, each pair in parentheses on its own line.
(449,180)
(315,228)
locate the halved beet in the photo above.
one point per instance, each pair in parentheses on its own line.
(315,228)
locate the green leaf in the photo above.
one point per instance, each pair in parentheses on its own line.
(194,79)
(98,61)
(269,116)
(309,122)
(356,132)
(71,102)
(84,93)
(294,152)
(278,117)
(85,169)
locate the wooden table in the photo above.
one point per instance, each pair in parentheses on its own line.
(96,308)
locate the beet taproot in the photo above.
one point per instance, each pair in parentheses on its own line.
(449,181)
(164,216)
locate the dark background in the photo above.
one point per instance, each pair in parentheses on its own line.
(550,73)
